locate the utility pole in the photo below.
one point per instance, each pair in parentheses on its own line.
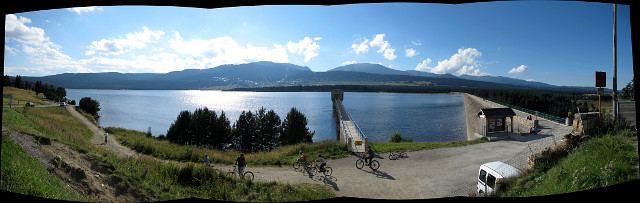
(615,57)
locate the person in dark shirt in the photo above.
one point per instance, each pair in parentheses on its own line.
(368,155)
(241,163)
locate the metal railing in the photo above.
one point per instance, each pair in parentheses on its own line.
(342,110)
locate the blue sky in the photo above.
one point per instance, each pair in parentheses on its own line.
(559,43)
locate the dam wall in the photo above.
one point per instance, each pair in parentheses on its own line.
(475,125)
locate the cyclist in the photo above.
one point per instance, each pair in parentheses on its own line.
(302,156)
(206,160)
(323,162)
(368,155)
(241,163)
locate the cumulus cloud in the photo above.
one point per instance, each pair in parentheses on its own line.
(362,47)
(378,41)
(349,62)
(15,29)
(137,40)
(423,65)
(81,10)
(519,69)
(306,46)
(225,50)
(463,62)
(37,47)
(385,47)
(411,52)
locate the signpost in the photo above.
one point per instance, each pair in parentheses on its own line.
(10,96)
(601,81)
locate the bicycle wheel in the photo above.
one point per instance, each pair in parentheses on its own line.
(231,174)
(359,163)
(375,165)
(296,165)
(314,171)
(328,171)
(248,175)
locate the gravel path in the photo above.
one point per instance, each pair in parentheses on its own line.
(435,173)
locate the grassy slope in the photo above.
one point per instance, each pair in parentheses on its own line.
(601,161)
(149,178)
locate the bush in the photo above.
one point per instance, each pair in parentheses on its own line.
(90,106)
(397,138)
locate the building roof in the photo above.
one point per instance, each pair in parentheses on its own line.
(498,112)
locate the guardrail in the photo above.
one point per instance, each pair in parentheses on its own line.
(532,112)
(345,128)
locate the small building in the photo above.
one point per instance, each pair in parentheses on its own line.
(495,119)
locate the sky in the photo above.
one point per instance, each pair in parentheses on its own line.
(554,42)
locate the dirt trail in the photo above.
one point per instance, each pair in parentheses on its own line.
(435,173)
(98,137)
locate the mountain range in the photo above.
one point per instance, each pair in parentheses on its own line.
(261,74)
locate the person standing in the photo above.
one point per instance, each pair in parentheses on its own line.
(241,163)
(106,135)
(206,160)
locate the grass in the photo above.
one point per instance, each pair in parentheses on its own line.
(23,174)
(382,147)
(163,149)
(603,160)
(21,97)
(148,178)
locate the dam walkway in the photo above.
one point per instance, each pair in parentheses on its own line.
(348,129)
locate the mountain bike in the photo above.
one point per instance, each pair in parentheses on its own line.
(327,170)
(393,155)
(373,165)
(248,175)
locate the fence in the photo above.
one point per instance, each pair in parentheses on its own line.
(520,160)
(343,117)
(532,112)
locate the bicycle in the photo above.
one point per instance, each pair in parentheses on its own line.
(373,165)
(393,155)
(248,175)
(327,170)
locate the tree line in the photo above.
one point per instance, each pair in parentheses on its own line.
(51,92)
(252,132)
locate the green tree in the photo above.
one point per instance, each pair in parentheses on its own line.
(294,129)
(244,132)
(18,82)
(268,129)
(7,81)
(629,92)
(220,136)
(89,105)
(180,130)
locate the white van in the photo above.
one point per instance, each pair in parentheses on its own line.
(491,173)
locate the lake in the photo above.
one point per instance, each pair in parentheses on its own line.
(424,117)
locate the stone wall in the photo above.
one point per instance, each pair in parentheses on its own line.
(475,125)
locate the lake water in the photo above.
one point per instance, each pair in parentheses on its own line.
(424,117)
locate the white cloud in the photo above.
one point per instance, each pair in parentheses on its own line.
(385,47)
(530,80)
(306,46)
(463,62)
(349,62)
(411,52)
(362,47)
(80,10)
(225,50)
(423,65)
(137,40)
(519,69)
(418,43)
(15,29)
(10,51)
